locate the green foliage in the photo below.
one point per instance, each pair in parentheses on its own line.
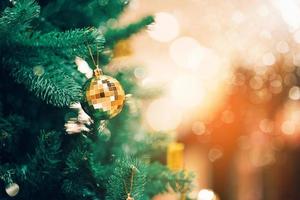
(113,35)
(127,177)
(160,179)
(153,145)
(38,60)
(18,18)
(39,80)
(12,124)
(46,158)
(32,172)
(71,40)
(66,14)
(53,85)
(78,181)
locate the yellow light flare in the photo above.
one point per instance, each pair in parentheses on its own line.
(175,158)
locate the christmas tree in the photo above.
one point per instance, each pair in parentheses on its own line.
(41,88)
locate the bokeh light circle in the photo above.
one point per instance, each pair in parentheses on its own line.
(162,115)
(186,52)
(165,28)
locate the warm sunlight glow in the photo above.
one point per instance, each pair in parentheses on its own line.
(165,28)
(162,115)
(290,12)
(187,91)
(186,52)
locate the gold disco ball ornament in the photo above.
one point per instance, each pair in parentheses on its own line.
(104,96)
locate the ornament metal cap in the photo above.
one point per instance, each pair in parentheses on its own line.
(129,197)
(98,72)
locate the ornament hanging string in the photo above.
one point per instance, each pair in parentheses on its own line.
(91,54)
(97,70)
(131,184)
(97,56)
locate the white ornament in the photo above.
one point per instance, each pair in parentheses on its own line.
(12,189)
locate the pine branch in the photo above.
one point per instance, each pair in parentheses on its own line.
(43,163)
(99,164)
(75,190)
(53,85)
(68,39)
(46,152)
(119,183)
(67,14)
(114,35)
(17,18)
(9,129)
(160,178)
(38,167)
(152,145)
(76,159)
(112,8)
(77,184)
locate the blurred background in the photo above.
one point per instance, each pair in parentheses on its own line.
(230,72)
